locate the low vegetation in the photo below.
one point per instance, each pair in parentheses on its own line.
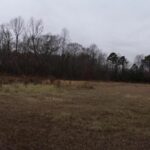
(71,115)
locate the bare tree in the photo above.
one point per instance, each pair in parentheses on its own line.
(35,30)
(5,38)
(74,49)
(17,25)
(64,40)
(93,51)
(138,60)
(50,44)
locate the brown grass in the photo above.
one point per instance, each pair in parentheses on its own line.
(69,115)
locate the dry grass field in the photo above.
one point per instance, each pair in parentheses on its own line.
(71,115)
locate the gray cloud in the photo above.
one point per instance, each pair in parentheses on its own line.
(114,25)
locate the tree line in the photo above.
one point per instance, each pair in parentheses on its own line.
(25,49)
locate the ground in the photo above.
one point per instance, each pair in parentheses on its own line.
(71,115)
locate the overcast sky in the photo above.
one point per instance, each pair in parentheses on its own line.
(122,26)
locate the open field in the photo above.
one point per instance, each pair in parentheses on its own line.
(75,116)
